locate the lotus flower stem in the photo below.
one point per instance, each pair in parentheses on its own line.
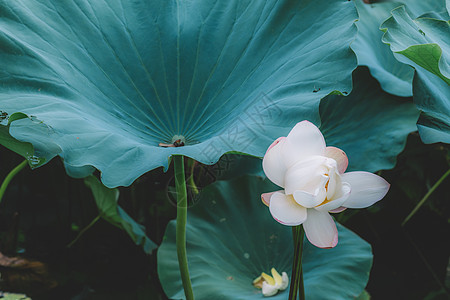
(10,176)
(180,185)
(297,286)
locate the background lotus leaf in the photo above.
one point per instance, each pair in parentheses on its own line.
(370,125)
(431,96)
(395,77)
(425,41)
(417,8)
(424,44)
(113,79)
(232,238)
(109,210)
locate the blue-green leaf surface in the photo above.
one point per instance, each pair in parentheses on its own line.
(21,148)
(423,41)
(113,79)
(425,44)
(232,238)
(370,125)
(394,76)
(109,210)
(43,149)
(432,97)
(417,8)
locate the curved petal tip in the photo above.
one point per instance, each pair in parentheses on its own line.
(286,211)
(265,198)
(339,156)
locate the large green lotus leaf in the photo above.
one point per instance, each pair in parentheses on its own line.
(423,41)
(370,125)
(232,238)
(109,210)
(113,79)
(431,95)
(394,76)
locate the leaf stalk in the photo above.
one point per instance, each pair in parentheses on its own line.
(180,186)
(10,176)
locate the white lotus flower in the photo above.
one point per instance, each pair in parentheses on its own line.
(270,285)
(315,184)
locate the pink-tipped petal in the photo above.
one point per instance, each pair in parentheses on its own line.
(367,188)
(275,143)
(338,210)
(320,229)
(273,162)
(265,198)
(304,140)
(285,210)
(339,156)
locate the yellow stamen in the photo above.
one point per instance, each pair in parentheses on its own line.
(276,276)
(258,282)
(268,278)
(324,202)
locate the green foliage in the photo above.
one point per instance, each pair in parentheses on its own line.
(370,125)
(431,95)
(232,238)
(424,41)
(11,296)
(21,148)
(394,76)
(114,79)
(421,43)
(24,149)
(106,200)
(102,83)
